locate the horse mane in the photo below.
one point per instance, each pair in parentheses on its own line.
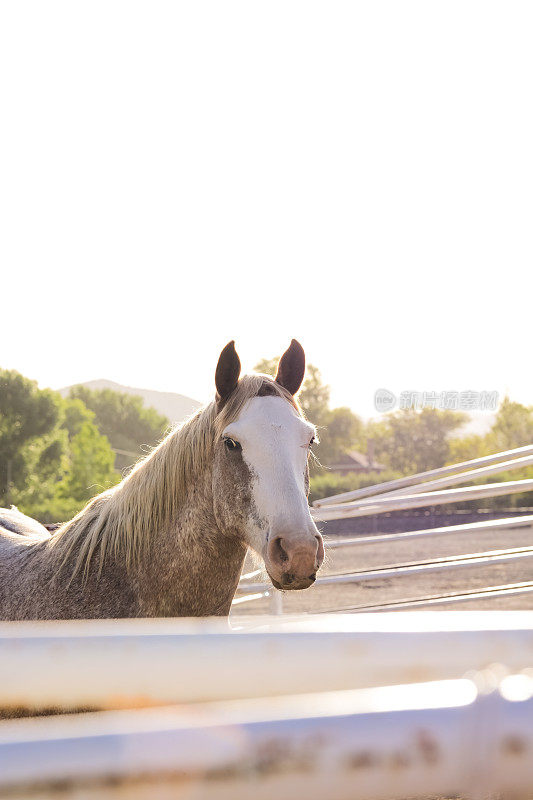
(122,521)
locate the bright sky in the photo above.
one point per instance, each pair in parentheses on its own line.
(354,174)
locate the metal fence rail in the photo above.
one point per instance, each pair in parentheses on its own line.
(453,562)
(126,663)
(433,732)
(377,744)
(420,477)
(456,480)
(437,498)
(502,525)
(251,590)
(438,601)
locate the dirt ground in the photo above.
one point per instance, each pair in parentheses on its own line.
(457,571)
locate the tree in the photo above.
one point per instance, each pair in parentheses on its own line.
(91,465)
(29,439)
(75,414)
(52,457)
(513,427)
(467,448)
(314,397)
(124,420)
(412,441)
(343,431)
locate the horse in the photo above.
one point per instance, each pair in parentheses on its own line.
(171,538)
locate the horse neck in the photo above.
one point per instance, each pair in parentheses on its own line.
(189,567)
(193,567)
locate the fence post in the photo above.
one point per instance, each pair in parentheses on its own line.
(276,602)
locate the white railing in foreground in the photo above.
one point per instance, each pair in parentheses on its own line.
(411,480)
(439,740)
(453,737)
(125,663)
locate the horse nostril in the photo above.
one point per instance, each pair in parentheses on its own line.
(287,578)
(278,551)
(312,577)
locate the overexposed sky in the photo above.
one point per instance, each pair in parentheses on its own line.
(356,175)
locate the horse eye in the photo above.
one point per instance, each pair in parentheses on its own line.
(313,440)
(231,444)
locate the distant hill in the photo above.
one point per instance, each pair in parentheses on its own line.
(174,406)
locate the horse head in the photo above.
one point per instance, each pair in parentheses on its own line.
(261,471)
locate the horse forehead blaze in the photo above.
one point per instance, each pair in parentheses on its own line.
(265,417)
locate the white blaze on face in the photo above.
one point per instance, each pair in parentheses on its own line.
(275,442)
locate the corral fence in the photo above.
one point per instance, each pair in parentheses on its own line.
(426,489)
(338,706)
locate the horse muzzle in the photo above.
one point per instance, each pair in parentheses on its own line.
(292,560)
(289,581)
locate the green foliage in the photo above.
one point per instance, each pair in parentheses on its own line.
(512,428)
(343,431)
(124,420)
(26,411)
(29,419)
(412,441)
(329,483)
(314,397)
(45,463)
(51,452)
(91,467)
(75,414)
(467,448)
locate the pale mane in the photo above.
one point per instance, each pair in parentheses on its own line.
(123,520)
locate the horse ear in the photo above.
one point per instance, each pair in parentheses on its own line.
(227,372)
(291,367)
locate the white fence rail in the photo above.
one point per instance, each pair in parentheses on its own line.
(433,732)
(456,480)
(373,745)
(97,664)
(524,521)
(494,556)
(403,502)
(420,477)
